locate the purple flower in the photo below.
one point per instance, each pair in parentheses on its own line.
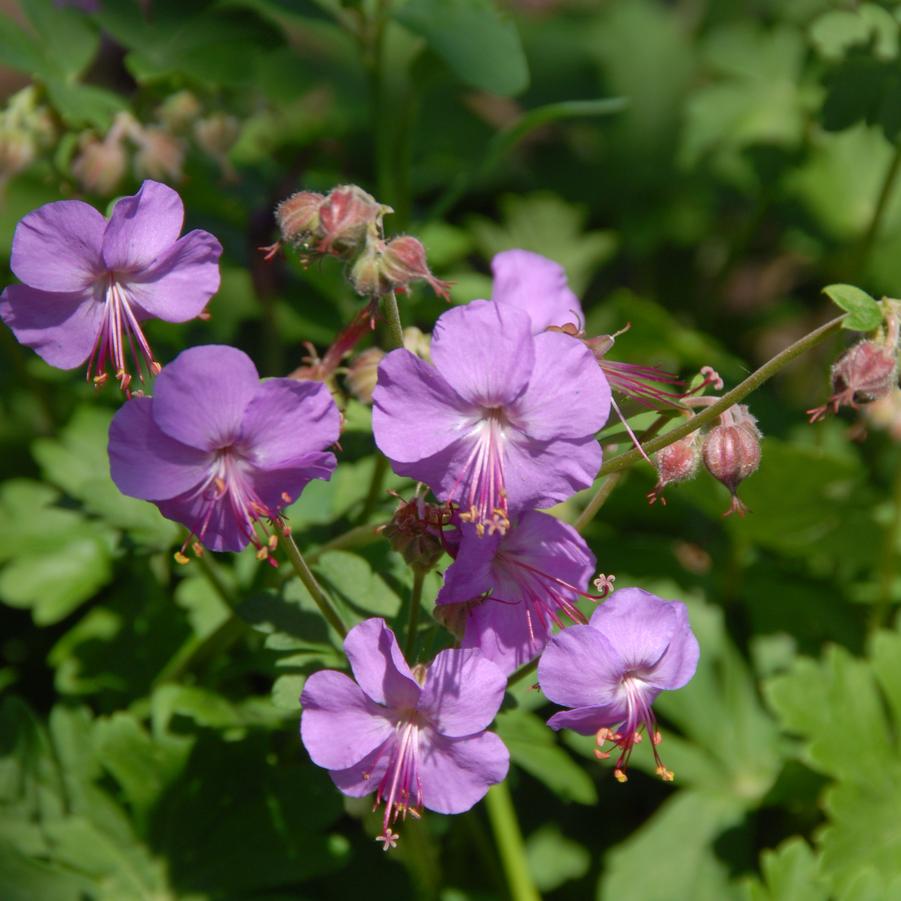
(415,738)
(218,450)
(90,282)
(512,588)
(635,646)
(503,421)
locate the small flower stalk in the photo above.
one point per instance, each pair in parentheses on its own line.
(677,462)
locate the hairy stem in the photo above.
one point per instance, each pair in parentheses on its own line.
(413,621)
(508,838)
(392,321)
(305,574)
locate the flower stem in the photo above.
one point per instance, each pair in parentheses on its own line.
(598,500)
(737,394)
(392,321)
(509,842)
(888,568)
(305,574)
(885,194)
(413,621)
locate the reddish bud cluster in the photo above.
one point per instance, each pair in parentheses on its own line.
(415,532)
(391,266)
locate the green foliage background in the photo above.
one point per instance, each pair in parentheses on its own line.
(701,170)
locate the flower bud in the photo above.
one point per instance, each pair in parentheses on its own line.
(160,155)
(362,376)
(404,261)
(179,110)
(216,135)
(415,533)
(345,217)
(100,165)
(731,452)
(298,217)
(17,150)
(677,462)
(869,370)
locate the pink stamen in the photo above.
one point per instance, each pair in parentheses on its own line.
(483,472)
(401,787)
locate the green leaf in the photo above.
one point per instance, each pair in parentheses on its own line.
(84,104)
(68,38)
(351,577)
(864,313)
(555,859)
(679,840)
(478,42)
(835,32)
(790,873)
(533,747)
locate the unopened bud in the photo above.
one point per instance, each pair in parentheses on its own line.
(731,452)
(100,165)
(345,217)
(160,155)
(677,462)
(179,110)
(17,150)
(216,135)
(869,370)
(415,533)
(298,217)
(362,376)
(404,261)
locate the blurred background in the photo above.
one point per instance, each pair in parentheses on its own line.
(701,170)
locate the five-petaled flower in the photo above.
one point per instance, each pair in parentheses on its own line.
(512,588)
(610,671)
(89,283)
(220,451)
(414,737)
(504,420)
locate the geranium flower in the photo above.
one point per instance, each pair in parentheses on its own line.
(634,646)
(89,282)
(220,451)
(414,737)
(504,420)
(511,589)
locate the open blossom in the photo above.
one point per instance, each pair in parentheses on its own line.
(502,421)
(610,671)
(512,588)
(414,737)
(90,282)
(220,451)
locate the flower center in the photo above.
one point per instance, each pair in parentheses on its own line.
(120,335)
(484,494)
(639,716)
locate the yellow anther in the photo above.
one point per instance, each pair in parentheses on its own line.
(286,497)
(262,553)
(620,776)
(180,558)
(665,774)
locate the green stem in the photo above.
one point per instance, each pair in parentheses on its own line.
(376,488)
(598,500)
(392,321)
(524,671)
(737,394)
(413,621)
(885,194)
(510,845)
(305,574)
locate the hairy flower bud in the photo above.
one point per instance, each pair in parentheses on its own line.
(179,110)
(216,135)
(391,266)
(344,219)
(415,533)
(677,462)
(160,155)
(298,217)
(731,452)
(17,150)
(100,165)
(362,376)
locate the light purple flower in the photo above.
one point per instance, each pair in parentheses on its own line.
(220,451)
(89,283)
(610,671)
(415,738)
(514,587)
(503,421)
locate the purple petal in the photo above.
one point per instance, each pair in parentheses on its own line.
(287,421)
(587,720)
(200,398)
(57,247)
(364,777)
(60,328)
(469,576)
(416,414)
(142,227)
(506,630)
(680,660)
(638,624)
(541,474)
(568,395)
(457,772)
(379,666)
(340,725)
(145,462)
(580,668)
(462,693)
(485,352)
(555,548)
(215,523)
(537,285)
(181,281)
